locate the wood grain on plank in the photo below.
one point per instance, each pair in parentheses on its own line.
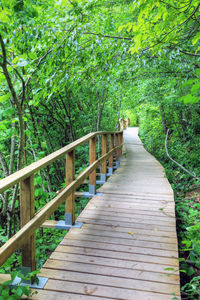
(127,218)
(135,214)
(130,241)
(120,248)
(111,271)
(151,233)
(120,255)
(104,291)
(115,262)
(110,281)
(151,228)
(122,219)
(57,295)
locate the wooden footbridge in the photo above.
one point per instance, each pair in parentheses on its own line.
(126,246)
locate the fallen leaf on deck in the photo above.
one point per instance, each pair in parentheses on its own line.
(130,233)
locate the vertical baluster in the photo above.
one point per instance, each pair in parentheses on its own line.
(27,211)
(70,201)
(104,151)
(117,152)
(120,137)
(92,158)
(111,146)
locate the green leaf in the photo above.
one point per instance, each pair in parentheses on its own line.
(4,17)
(195,87)
(196,39)
(19,291)
(5,97)
(197,71)
(189,98)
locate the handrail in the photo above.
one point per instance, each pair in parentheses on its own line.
(26,231)
(25,236)
(22,174)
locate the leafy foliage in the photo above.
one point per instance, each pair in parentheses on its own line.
(72,67)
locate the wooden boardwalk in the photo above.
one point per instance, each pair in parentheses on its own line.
(127,247)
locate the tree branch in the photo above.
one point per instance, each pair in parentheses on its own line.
(5,70)
(189,53)
(109,36)
(4,164)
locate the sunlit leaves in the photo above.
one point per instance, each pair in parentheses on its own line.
(157,24)
(5,97)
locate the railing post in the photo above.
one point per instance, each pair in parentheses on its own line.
(104,165)
(120,139)
(117,152)
(70,175)
(70,200)
(111,146)
(92,158)
(27,211)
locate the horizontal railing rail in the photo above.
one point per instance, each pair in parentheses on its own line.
(22,174)
(31,221)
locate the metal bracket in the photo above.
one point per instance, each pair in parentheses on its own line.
(25,270)
(110,171)
(39,285)
(102,179)
(67,223)
(91,193)
(88,195)
(116,164)
(92,189)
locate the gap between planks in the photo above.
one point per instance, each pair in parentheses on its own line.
(100,291)
(109,281)
(111,271)
(173,261)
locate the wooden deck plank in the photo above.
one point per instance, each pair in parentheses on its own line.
(129,199)
(141,206)
(104,291)
(158,213)
(55,295)
(140,223)
(110,271)
(135,214)
(121,248)
(110,281)
(120,255)
(115,262)
(130,241)
(127,246)
(142,228)
(143,234)
(127,218)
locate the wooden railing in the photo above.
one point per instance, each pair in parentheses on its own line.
(30,221)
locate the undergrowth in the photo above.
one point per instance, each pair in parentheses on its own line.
(46,242)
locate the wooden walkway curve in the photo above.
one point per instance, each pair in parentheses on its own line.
(127,247)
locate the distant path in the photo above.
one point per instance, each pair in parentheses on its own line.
(128,240)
